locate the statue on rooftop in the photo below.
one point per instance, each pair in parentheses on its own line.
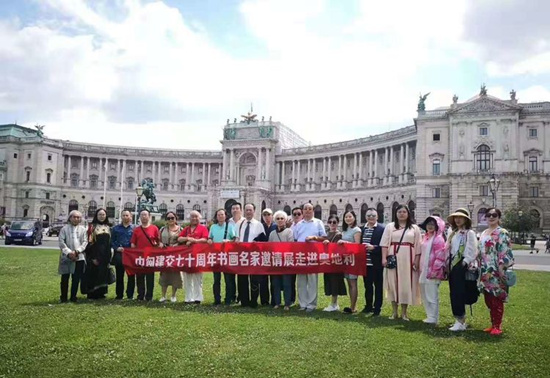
(513,95)
(422,102)
(483,90)
(40,130)
(455,99)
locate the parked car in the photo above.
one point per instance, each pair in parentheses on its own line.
(24,232)
(54,230)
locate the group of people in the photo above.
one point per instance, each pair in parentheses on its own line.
(406,260)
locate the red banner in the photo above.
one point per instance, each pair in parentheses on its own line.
(250,258)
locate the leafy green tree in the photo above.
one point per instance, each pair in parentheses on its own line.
(518,219)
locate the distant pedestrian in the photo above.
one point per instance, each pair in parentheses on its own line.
(533,241)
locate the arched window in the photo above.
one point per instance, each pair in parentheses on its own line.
(197,207)
(333,210)
(349,207)
(364,208)
(380,211)
(287,209)
(110,209)
(182,188)
(412,208)
(73,205)
(180,212)
(481,219)
(318,211)
(483,158)
(74,180)
(129,206)
(93,181)
(394,211)
(92,208)
(163,208)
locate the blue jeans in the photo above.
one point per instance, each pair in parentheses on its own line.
(283,281)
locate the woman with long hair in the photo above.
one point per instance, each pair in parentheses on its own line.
(351,234)
(462,255)
(98,255)
(334,282)
(401,249)
(496,258)
(169,238)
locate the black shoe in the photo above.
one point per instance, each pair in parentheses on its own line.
(347,310)
(119,298)
(73,299)
(63,300)
(376,313)
(367,310)
(253,305)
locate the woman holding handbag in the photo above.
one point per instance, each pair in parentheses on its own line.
(169,238)
(433,266)
(401,249)
(462,256)
(496,258)
(334,282)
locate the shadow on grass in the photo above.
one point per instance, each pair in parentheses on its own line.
(367,320)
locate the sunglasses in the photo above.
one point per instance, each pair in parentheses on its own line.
(266,214)
(170,218)
(332,222)
(280,218)
(492,215)
(371,215)
(296,214)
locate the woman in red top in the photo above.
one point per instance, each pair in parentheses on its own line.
(194,233)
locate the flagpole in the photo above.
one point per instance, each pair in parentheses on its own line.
(105,183)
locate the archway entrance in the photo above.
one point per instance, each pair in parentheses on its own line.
(46,215)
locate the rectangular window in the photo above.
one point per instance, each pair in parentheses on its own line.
(483,131)
(28,176)
(47,195)
(436,168)
(49,157)
(112,183)
(93,182)
(437,193)
(534,191)
(533,133)
(15,156)
(149,168)
(27,193)
(436,137)
(29,156)
(112,166)
(94,164)
(131,167)
(25,212)
(166,169)
(130,184)
(533,164)
(484,190)
(49,178)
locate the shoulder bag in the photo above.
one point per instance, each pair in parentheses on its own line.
(391,260)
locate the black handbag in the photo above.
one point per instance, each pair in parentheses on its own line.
(112,275)
(391,260)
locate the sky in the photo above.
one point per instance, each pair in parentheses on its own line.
(170,73)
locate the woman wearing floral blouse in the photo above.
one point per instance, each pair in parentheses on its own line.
(496,257)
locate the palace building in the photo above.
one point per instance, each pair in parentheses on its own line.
(443,161)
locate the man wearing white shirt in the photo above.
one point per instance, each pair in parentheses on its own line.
(309,229)
(249,230)
(235,221)
(72,261)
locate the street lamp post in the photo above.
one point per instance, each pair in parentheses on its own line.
(139,193)
(471,209)
(494,184)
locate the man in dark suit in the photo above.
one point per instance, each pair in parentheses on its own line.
(374,280)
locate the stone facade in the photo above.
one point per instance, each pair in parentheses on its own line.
(442,162)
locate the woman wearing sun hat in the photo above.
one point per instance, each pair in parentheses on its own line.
(462,247)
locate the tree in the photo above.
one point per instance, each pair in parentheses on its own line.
(518,219)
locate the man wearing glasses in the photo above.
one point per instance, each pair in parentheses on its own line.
(297,216)
(372,233)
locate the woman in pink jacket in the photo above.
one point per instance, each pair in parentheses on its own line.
(433,266)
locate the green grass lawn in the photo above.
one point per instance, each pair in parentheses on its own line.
(41,338)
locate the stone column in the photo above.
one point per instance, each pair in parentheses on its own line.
(141,168)
(209,179)
(375,167)
(282,175)
(188,175)
(88,171)
(267,164)
(259,167)
(407,154)
(323,177)
(391,168)
(360,173)
(176,174)
(298,167)
(192,175)
(293,185)
(123,173)
(401,169)
(203,176)
(231,164)
(339,178)
(224,165)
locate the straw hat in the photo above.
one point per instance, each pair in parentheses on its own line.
(460,213)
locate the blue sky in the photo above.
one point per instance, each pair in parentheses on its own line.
(331,70)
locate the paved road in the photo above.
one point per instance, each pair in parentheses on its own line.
(524,260)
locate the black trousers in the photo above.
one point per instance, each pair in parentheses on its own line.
(120,272)
(145,286)
(293,288)
(77,278)
(243,285)
(374,288)
(259,287)
(230,288)
(457,288)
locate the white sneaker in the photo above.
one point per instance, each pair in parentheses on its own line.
(162,300)
(330,308)
(458,327)
(173,299)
